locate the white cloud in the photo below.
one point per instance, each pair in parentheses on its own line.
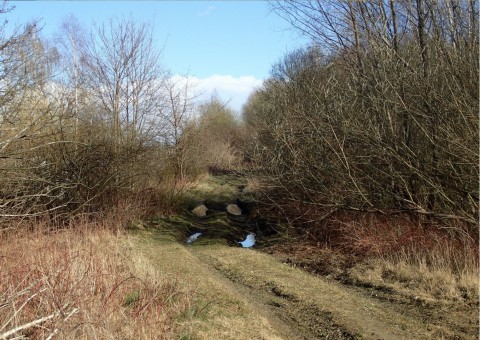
(207,11)
(235,90)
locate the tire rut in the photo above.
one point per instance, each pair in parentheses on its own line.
(313,307)
(298,320)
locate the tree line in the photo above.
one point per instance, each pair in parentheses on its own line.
(379,114)
(92,116)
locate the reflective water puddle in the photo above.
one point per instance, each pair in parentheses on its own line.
(249,241)
(193,237)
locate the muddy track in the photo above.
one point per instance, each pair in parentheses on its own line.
(295,318)
(280,301)
(247,287)
(314,308)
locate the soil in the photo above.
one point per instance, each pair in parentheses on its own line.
(291,303)
(268,293)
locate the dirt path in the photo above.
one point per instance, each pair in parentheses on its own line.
(220,309)
(246,294)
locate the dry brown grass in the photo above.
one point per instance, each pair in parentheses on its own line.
(425,259)
(417,279)
(86,282)
(429,260)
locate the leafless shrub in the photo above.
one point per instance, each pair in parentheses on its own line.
(380,114)
(84,124)
(368,139)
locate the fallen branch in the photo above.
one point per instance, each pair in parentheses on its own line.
(34,323)
(28,325)
(55,331)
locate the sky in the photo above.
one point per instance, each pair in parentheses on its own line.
(226,47)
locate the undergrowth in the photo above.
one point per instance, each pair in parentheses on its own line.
(85,282)
(423,259)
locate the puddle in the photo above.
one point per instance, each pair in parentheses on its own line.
(193,237)
(249,241)
(227,221)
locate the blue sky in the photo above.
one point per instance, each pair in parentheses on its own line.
(227,46)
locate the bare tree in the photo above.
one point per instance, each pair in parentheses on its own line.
(123,72)
(71,40)
(27,121)
(392,109)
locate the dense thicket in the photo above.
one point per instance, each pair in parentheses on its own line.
(93,118)
(379,114)
(210,142)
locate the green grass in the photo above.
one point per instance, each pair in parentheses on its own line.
(131,298)
(222,188)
